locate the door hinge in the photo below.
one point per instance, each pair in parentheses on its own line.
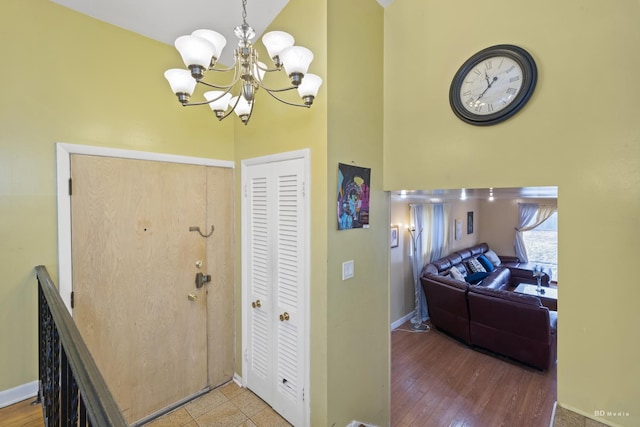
(303,394)
(70,186)
(246,355)
(303,190)
(73,303)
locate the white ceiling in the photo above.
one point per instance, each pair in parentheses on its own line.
(166,20)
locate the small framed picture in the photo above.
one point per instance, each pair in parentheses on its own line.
(469,222)
(458,235)
(395,236)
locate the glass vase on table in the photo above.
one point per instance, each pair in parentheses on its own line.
(537,273)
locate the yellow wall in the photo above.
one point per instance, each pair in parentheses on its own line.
(579,131)
(275,128)
(345,316)
(69,78)
(358,361)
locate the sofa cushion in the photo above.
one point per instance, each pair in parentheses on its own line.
(509,296)
(488,266)
(455,273)
(475,266)
(476,277)
(491,256)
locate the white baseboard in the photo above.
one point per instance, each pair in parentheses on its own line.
(18,394)
(399,322)
(238,380)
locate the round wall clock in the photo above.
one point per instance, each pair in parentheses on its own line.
(493,85)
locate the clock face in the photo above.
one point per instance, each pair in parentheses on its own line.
(493,85)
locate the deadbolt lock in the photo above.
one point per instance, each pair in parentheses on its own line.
(201,279)
(192,296)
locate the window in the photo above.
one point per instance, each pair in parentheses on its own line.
(542,245)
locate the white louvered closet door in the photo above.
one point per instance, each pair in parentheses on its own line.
(275,279)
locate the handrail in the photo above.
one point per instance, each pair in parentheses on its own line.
(96,399)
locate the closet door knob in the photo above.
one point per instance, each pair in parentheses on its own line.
(256,303)
(284,316)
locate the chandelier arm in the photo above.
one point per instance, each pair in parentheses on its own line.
(268,70)
(227,88)
(221,70)
(268,89)
(293,104)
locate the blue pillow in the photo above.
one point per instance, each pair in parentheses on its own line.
(474,278)
(486,263)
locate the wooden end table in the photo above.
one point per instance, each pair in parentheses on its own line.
(548,297)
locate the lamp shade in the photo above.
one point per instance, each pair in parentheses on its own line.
(259,69)
(296,59)
(309,86)
(180,80)
(221,102)
(216,39)
(242,108)
(275,41)
(195,50)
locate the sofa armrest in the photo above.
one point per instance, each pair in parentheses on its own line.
(506,259)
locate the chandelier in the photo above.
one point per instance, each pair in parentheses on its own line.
(201,50)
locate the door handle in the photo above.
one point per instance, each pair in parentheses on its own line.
(284,316)
(201,279)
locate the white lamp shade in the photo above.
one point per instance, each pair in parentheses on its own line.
(180,80)
(222,101)
(195,50)
(296,59)
(216,39)
(243,106)
(275,41)
(259,70)
(309,86)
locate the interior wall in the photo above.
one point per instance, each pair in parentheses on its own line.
(358,335)
(569,135)
(401,287)
(459,210)
(70,78)
(499,220)
(276,128)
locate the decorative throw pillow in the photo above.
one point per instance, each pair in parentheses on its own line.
(455,273)
(475,266)
(475,278)
(491,256)
(486,263)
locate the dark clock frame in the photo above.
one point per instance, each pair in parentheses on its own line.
(529,80)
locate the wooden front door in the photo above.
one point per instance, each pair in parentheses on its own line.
(135,260)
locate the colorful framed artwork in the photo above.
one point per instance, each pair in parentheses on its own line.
(353,196)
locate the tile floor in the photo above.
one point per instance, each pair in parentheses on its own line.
(228,406)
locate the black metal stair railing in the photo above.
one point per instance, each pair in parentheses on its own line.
(71,388)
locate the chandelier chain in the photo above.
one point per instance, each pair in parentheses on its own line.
(244,12)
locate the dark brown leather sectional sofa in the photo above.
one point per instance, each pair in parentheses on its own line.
(489,315)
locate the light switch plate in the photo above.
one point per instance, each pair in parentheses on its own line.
(347,270)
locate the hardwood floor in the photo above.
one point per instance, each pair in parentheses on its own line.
(435,381)
(438,381)
(22,414)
